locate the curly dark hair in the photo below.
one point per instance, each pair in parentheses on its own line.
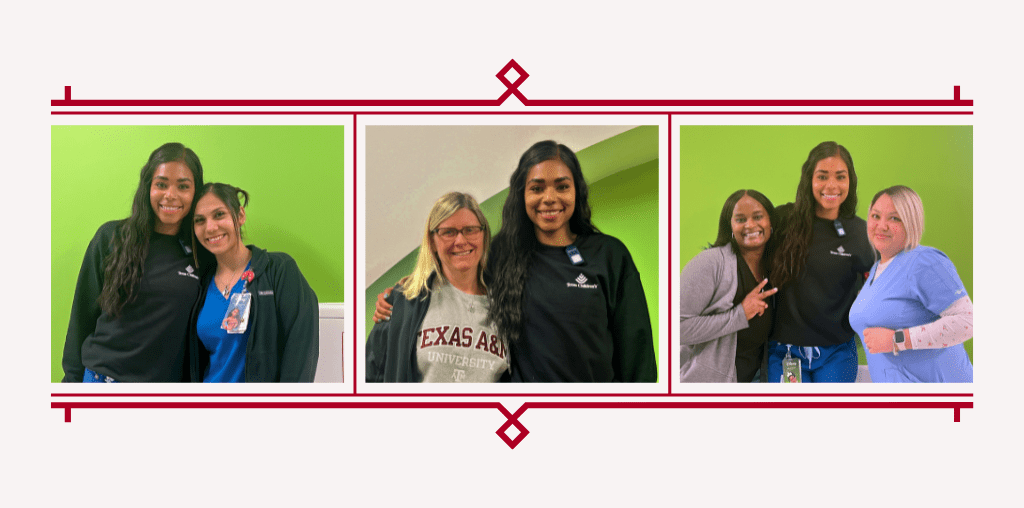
(512,248)
(130,246)
(797,226)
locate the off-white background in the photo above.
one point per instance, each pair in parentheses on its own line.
(644,457)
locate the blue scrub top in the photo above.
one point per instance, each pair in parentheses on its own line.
(912,291)
(227,350)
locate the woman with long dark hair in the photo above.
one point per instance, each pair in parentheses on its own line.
(139,281)
(725,302)
(567,298)
(257,318)
(819,267)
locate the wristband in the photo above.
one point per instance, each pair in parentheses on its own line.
(898,342)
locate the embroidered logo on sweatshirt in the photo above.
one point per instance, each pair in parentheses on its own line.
(581,282)
(840,251)
(189,272)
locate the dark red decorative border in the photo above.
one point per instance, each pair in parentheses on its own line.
(512,89)
(513,395)
(512,419)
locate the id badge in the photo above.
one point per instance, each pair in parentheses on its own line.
(839,228)
(236,319)
(574,255)
(791,370)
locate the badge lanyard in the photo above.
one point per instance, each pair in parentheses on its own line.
(790,368)
(236,317)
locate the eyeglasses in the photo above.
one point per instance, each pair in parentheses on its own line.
(451,233)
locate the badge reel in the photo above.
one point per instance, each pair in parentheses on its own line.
(236,318)
(574,255)
(790,368)
(839,228)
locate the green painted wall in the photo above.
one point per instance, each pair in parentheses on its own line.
(623,175)
(294,175)
(935,161)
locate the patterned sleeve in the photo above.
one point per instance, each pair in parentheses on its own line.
(954,326)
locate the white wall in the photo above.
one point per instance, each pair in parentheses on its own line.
(330,367)
(408,167)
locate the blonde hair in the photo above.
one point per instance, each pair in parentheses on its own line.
(911,211)
(428,261)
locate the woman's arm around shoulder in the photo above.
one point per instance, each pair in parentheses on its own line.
(378,342)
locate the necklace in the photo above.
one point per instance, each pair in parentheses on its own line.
(234,278)
(231,283)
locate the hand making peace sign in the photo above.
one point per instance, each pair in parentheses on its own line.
(754,304)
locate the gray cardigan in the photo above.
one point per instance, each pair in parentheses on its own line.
(708,320)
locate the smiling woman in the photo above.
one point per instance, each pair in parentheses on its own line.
(550,201)
(914,313)
(819,268)
(830,184)
(567,298)
(725,303)
(171,195)
(438,331)
(256,319)
(457,244)
(138,283)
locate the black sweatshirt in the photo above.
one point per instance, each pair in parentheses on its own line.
(814,309)
(146,343)
(586,322)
